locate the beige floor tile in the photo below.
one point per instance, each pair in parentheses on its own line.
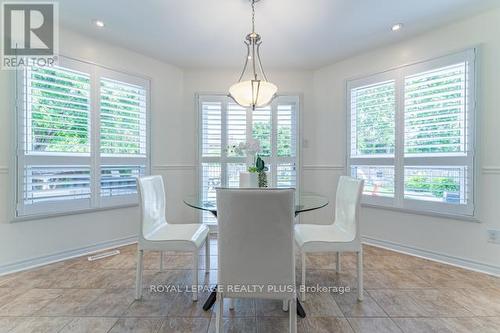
(185,325)
(329,278)
(439,303)
(398,279)
(137,325)
(481,302)
(183,306)
(9,294)
(92,295)
(272,325)
(373,325)
(40,325)
(89,325)
(30,302)
(151,305)
(398,303)
(111,303)
(243,307)
(351,307)
(321,305)
(8,323)
(425,325)
(72,302)
(269,308)
(323,325)
(236,325)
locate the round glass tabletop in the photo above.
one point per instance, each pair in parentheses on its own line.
(306,202)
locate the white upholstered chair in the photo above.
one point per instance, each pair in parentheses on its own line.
(256,246)
(341,236)
(156,234)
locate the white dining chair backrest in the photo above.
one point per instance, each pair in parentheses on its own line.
(346,205)
(152,202)
(255,240)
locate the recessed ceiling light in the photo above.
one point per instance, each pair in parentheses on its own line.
(397,27)
(99,23)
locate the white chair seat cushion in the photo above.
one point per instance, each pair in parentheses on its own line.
(184,237)
(316,236)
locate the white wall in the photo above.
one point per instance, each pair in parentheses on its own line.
(22,241)
(456,239)
(323,124)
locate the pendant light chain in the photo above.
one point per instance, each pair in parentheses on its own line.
(254,92)
(253,15)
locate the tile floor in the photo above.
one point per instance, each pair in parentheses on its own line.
(402,294)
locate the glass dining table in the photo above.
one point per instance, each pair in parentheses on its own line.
(305,202)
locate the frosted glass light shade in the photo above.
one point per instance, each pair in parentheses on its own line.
(261,94)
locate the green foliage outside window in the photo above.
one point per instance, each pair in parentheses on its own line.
(262,132)
(437,186)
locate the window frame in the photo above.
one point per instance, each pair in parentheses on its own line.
(224,159)
(399,161)
(94,160)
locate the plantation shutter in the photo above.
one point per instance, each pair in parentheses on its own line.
(286,143)
(123,118)
(412,135)
(438,127)
(224,124)
(373,136)
(123,136)
(211,128)
(54,142)
(82,138)
(435,111)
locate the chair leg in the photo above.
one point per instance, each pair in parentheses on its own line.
(337,266)
(360,275)
(195,275)
(138,277)
(220,310)
(303,278)
(292,315)
(207,255)
(161,261)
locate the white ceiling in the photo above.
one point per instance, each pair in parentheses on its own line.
(302,34)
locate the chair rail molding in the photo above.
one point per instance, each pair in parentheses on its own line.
(168,167)
(324,167)
(4,169)
(491,170)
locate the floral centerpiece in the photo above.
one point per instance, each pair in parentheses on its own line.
(256,173)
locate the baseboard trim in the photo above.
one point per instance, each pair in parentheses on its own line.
(434,256)
(65,255)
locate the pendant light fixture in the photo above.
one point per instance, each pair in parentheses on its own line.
(256,91)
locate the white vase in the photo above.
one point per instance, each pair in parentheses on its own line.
(249,179)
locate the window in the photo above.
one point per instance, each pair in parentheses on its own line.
(82,138)
(224,123)
(412,135)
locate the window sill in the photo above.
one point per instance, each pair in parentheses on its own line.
(69,213)
(474,219)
